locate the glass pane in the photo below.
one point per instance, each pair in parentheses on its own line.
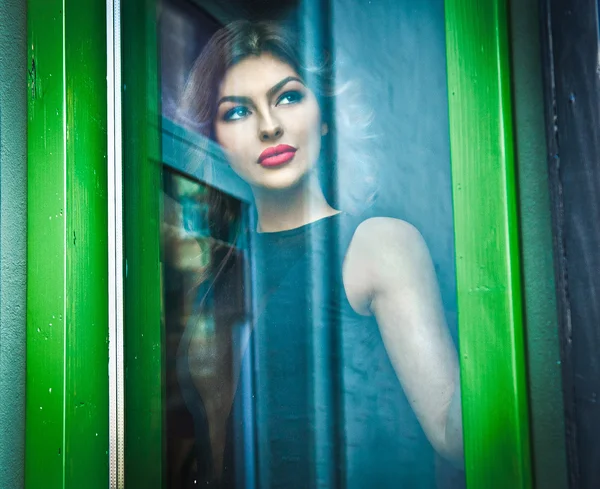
(207,318)
(308,259)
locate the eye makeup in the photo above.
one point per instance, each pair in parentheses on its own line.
(236,113)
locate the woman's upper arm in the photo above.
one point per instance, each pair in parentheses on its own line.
(405,299)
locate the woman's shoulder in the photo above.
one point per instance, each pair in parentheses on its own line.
(386,234)
(381,248)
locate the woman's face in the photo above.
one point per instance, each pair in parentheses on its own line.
(268,122)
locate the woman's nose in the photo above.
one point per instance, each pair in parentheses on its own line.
(270,129)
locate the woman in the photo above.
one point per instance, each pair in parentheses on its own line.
(250,92)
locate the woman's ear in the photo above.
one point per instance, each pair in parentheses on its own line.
(324,129)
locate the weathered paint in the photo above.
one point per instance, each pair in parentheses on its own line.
(67,291)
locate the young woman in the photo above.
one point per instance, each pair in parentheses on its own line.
(394,369)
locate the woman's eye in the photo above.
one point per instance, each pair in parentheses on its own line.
(236,113)
(291,97)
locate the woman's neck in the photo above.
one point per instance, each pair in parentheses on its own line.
(290,208)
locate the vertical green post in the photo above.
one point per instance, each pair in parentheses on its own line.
(67,271)
(495,411)
(144,374)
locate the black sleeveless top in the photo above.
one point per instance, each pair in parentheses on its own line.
(318,403)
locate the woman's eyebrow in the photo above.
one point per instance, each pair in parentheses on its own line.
(235,99)
(273,90)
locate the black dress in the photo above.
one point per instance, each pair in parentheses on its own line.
(318,403)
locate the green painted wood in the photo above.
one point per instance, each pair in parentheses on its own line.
(144,334)
(67,270)
(493,370)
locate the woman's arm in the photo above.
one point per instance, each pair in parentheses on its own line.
(389,259)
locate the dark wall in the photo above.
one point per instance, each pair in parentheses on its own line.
(572,89)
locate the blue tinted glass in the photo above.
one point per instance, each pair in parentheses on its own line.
(312,307)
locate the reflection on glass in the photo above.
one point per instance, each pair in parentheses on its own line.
(310,328)
(205,317)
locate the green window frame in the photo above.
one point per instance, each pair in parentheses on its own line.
(67,362)
(67,291)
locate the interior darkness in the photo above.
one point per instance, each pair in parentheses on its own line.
(253,9)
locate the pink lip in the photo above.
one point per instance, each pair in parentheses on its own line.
(277,155)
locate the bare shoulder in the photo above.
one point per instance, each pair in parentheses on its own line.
(382,248)
(389,238)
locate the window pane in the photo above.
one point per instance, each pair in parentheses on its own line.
(308,259)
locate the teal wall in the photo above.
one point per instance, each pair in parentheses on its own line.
(544,371)
(13,219)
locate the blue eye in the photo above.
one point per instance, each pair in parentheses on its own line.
(291,97)
(236,113)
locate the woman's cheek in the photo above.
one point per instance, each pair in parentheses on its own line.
(240,163)
(231,142)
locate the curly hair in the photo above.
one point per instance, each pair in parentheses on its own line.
(348,171)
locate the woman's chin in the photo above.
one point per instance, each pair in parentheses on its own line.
(280,180)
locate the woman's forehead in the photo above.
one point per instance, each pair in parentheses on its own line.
(255,75)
